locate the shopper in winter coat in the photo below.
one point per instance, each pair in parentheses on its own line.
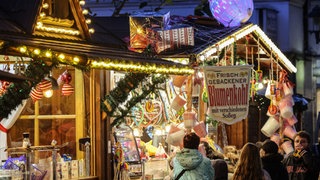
(300,164)
(272,161)
(189,163)
(249,165)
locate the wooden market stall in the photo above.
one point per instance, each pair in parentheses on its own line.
(216,45)
(45,39)
(203,42)
(52,42)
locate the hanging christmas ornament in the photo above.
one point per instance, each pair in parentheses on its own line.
(45,85)
(36,94)
(66,77)
(4,85)
(67,90)
(232,12)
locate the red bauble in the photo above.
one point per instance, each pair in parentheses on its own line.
(66,77)
(36,94)
(67,90)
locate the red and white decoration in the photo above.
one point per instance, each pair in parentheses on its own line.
(44,85)
(6,124)
(67,90)
(36,94)
(63,80)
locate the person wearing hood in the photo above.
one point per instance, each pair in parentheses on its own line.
(272,161)
(189,163)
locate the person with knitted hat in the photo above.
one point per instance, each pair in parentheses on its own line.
(272,161)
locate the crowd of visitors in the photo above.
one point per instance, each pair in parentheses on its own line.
(256,161)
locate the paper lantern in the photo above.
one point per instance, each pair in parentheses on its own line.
(232,12)
(45,85)
(67,90)
(36,94)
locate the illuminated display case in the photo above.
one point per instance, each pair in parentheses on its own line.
(124,135)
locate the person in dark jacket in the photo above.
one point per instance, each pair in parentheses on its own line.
(272,161)
(300,164)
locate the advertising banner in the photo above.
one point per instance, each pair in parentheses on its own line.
(228,92)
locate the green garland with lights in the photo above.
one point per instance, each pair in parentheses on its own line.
(17,92)
(37,69)
(111,103)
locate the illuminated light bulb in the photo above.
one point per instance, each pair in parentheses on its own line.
(184,62)
(43,14)
(139,31)
(158,132)
(85,12)
(82,3)
(39,24)
(136,132)
(259,86)
(23,49)
(202,58)
(76,59)
(265,81)
(45,5)
(48,54)
(88,21)
(61,56)
(91,30)
(36,51)
(167,128)
(48,93)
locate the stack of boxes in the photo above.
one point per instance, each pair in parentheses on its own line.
(154,29)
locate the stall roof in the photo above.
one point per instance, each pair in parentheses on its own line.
(210,37)
(108,45)
(23,24)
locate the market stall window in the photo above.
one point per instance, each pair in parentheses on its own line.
(48,119)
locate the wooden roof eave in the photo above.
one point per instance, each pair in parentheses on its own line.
(92,52)
(80,20)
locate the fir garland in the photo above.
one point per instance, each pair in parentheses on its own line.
(17,92)
(120,93)
(112,101)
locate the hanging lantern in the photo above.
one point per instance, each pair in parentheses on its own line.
(45,85)
(231,13)
(36,94)
(67,90)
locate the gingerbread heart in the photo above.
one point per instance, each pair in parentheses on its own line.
(153,116)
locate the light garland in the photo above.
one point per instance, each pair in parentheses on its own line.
(240,34)
(121,65)
(82,63)
(42,27)
(63,58)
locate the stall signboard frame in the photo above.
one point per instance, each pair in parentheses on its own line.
(228,92)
